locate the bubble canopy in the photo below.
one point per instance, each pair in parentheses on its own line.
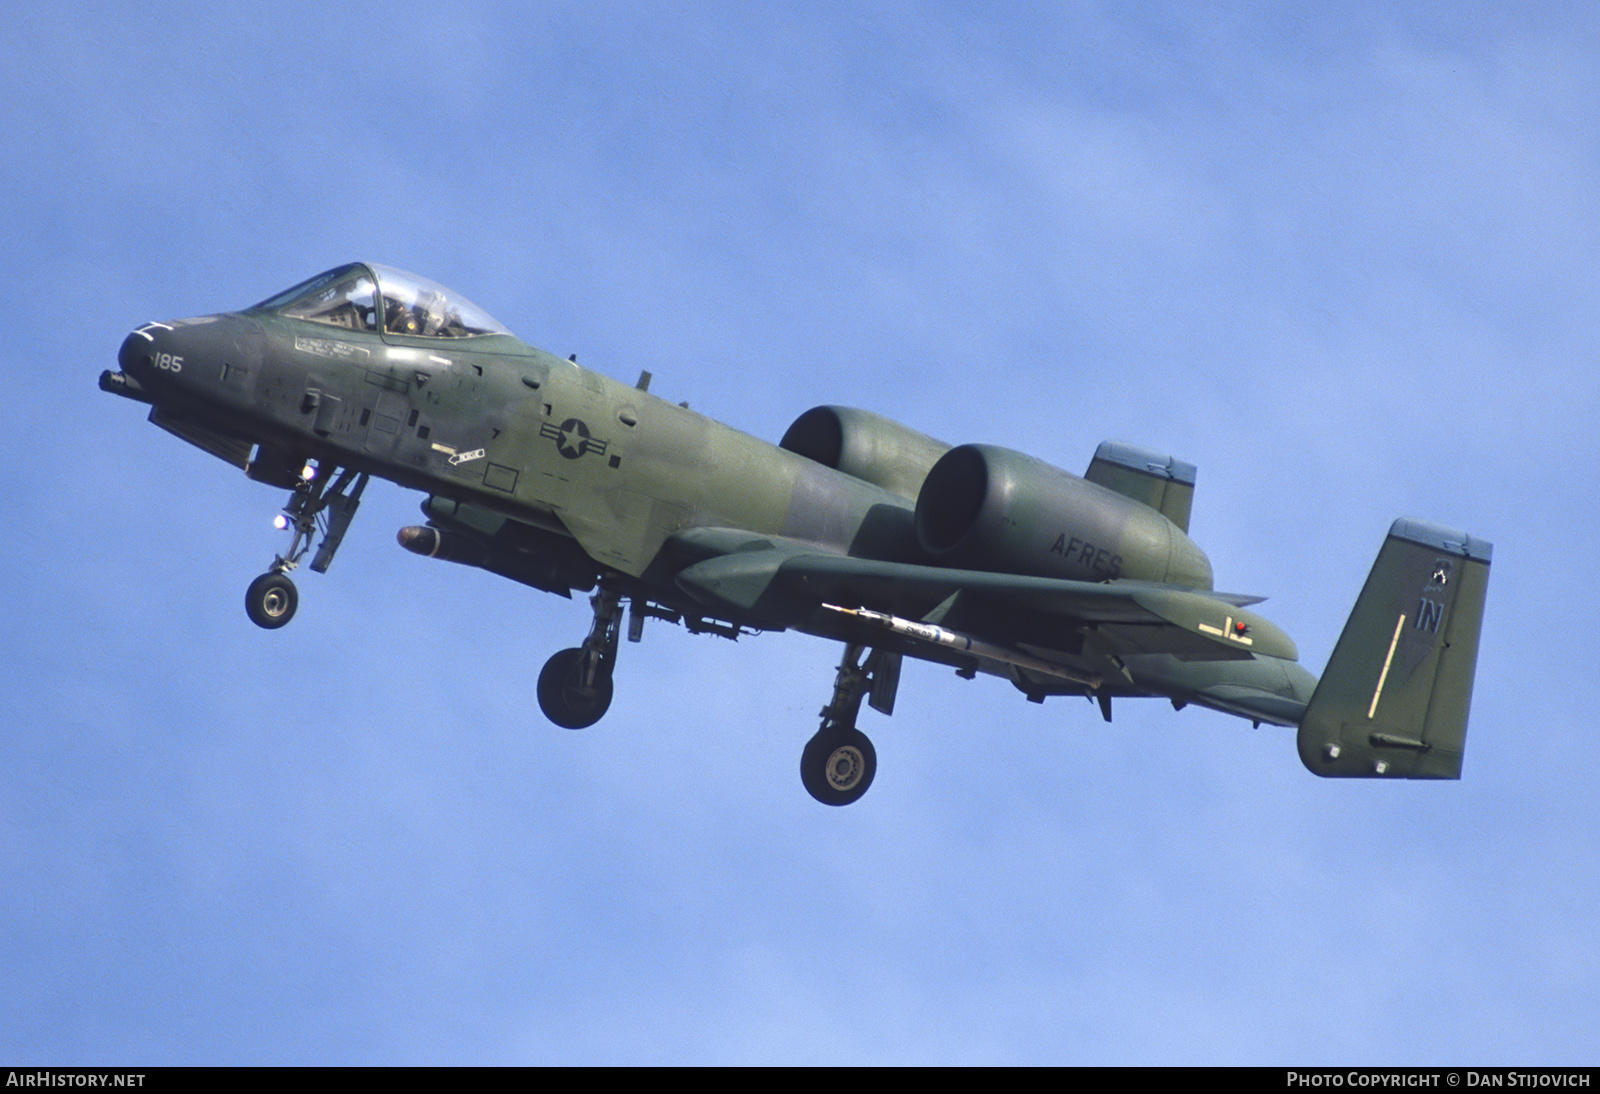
(368,297)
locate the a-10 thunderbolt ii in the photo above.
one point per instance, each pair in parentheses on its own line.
(854,528)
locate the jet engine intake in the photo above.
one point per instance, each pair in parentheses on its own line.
(865,446)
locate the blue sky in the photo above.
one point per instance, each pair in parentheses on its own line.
(1342,258)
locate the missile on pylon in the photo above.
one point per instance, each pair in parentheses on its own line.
(964,643)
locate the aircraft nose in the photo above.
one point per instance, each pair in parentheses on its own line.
(134,352)
(140,354)
(189,358)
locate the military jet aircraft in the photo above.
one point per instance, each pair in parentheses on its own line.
(853,527)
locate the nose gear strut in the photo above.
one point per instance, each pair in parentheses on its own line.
(272,598)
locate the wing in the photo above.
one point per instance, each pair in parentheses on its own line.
(779,583)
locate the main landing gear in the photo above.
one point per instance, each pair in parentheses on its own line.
(575,685)
(272,598)
(838,763)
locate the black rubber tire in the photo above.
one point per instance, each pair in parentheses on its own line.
(560,698)
(838,765)
(271,600)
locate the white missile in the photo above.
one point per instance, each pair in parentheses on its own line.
(965,643)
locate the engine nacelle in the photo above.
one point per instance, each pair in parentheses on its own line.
(992,509)
(866,446)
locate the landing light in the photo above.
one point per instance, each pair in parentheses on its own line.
(280,522)
(308,472)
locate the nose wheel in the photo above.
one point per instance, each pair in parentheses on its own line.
(271,600)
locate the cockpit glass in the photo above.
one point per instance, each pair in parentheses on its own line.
(345,297)
(419,308)
(379,298)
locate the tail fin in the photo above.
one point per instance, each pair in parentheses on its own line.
(1394,699)
(1164,483)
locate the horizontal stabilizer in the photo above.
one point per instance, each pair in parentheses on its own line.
(1394,699)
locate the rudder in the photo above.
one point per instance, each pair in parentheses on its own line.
(1393,702)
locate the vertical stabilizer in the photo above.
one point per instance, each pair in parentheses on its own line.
(1393,702)
(1164,483)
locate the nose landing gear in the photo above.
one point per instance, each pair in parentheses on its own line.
(272,598)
